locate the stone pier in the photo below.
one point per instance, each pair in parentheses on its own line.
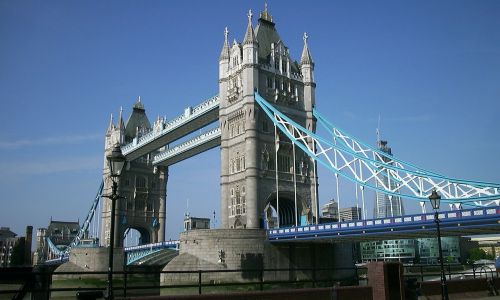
(249,250)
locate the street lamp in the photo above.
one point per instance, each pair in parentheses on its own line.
(435,199)
(116,162)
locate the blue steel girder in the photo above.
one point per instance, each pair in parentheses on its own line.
(345,156)
(191,120)
(452,223)
(135,253)
(57,261)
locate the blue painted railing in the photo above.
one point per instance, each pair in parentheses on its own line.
(464,218)
(135,253)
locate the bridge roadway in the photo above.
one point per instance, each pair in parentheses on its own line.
(464,222)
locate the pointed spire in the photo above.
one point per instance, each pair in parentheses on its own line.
(120,119)
(265,14)
(249,34)
(138,104)
(111,125)
(224,54)
(306,55)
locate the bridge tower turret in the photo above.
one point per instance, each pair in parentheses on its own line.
(142,185)
(248,160)
(307,71)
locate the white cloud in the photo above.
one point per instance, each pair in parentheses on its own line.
(58,140)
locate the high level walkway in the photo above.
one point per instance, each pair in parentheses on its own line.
(191,120)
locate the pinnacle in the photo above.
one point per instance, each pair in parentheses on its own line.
(306,55)
(249,34)
(224,54)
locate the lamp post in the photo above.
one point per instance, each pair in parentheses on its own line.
(116,162)
(435,199)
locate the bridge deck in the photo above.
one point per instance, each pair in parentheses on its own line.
(453,223)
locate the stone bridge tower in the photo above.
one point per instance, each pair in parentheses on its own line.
(262,63)
(142,185)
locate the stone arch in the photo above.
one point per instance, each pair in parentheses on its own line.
(238,224)
(145,234)
(287,209)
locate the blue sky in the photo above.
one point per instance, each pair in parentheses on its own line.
(430,69)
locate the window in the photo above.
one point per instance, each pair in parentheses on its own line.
(265,126)
(238,204)
(270,82)
(140,182)
(243,202)
(284,163)
(238,201)
(238,163)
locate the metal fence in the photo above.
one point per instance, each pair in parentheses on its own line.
(44,283)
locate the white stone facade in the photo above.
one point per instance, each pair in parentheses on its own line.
(248,160)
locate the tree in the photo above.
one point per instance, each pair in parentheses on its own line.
(476,254)
(17,258)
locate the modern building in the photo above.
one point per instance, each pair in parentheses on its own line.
(330,209)
(389,250)
(386,205)
(7,242)
(15,250)
(422,251)
(329,212)
(428,250)
(350,213)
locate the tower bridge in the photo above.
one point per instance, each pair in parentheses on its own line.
(266,120)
